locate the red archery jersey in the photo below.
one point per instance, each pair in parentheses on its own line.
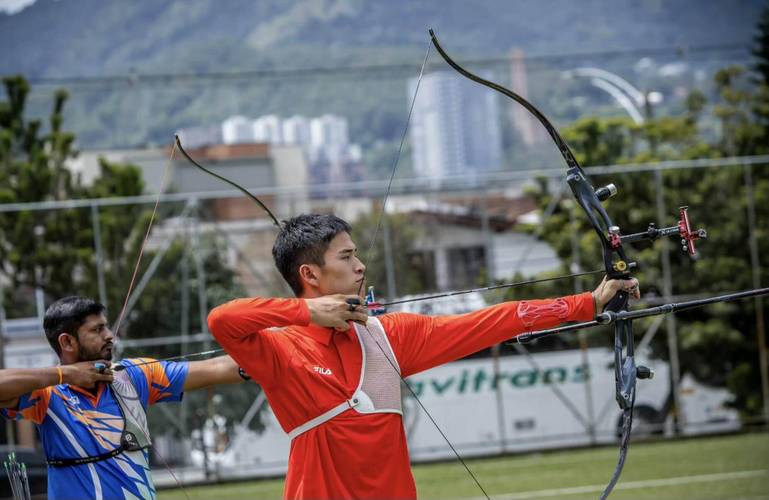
(305,370)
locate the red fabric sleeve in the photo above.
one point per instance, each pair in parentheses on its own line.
(423,342)
(241,328)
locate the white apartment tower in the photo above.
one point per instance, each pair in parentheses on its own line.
(237,130)
(454,127)
(296,130)
(269,129)
(329,138)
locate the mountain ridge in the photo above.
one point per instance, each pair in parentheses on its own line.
(100,37)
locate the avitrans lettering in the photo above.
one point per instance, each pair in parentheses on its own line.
(483,379)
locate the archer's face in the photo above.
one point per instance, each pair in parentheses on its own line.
(94,339)
(342,271)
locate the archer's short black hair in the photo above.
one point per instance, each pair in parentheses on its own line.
(66,316)
(303,240)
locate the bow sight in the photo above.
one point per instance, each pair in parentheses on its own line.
(682,228)
(615,260)
(626,371)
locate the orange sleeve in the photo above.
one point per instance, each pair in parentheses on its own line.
(164,380)
(423,342)
(31,406)
(241,328)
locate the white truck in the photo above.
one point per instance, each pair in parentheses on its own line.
(544,400)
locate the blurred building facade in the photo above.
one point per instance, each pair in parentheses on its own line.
(324,141)
(526,125)
(278,173)
(455,128)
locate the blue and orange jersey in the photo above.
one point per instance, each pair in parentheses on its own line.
(74,422)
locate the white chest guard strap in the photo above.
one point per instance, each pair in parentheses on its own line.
(379,386)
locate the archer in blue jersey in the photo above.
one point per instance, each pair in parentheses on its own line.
(91,420)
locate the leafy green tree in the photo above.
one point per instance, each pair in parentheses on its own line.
(408,262)
(54,249)
(718,342)
(33,170)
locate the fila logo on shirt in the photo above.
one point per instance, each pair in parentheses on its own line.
(322,371)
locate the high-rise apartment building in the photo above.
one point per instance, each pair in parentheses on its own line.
(324,141)
(296,130)
(269,129)
(237,130)
(329,138)
(455,127)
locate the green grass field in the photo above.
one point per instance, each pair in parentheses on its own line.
(713,468)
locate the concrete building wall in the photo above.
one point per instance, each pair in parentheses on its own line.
(290,171)
(151,161)
(511,252)
(249,173)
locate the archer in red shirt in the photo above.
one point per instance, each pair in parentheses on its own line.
(332,374)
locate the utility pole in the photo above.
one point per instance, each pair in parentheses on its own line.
(670,319)
(755,265)
(496,348)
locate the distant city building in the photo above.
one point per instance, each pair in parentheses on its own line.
(237,130)
(296,130)
(527,126)
(455,127)
(195,137)
(268,129)
(329,138)
(278,173)
(324,140)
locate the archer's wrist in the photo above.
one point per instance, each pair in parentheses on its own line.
(63,374)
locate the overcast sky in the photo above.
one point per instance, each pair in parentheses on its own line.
(13,6)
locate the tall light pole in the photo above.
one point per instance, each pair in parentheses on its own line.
(636,103)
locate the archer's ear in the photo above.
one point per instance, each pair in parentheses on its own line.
(67,342)
(308,273)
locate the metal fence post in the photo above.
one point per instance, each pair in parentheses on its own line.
(755,264)
(670,319)
(99,254)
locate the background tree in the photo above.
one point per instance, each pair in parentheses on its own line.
(409,268)
(718,342)
(54,249)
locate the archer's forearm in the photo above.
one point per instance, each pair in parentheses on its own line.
(214,371)
(15,382)
(243,317)
(425,344)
